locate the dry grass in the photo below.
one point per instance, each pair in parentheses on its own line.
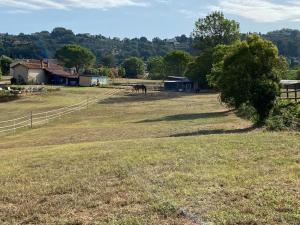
(162,159)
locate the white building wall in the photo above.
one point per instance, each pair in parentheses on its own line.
(29,76)
(37,76)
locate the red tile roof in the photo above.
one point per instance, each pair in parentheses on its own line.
(60,72)
(50,66)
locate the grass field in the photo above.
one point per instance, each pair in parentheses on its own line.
(166,158)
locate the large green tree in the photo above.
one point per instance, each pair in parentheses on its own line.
(5,62)
(176,63)
(211,31)
(76,56)
(249,74)
(198,69)
(214,30)
(155,67)
(133,67)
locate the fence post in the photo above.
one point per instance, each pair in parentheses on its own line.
(46,115)
(14,126)
(31,120)
(295,87)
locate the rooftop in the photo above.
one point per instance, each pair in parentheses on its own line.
(289,82)
(49,65)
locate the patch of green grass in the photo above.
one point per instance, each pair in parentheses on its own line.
(165,209)
(137,159)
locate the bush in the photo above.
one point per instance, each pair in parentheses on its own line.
(284,116)
(293,74)
(247,112)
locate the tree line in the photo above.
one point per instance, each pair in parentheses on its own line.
(45,44)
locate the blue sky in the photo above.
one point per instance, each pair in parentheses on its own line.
(135,18)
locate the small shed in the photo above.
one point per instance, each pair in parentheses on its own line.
(92,80)
(179,84)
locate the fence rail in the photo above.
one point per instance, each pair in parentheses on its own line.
(292,94)
(41,118)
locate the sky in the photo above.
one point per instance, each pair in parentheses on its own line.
(149,18)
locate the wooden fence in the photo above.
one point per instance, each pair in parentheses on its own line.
(42,118)
(291,91)
(291,94)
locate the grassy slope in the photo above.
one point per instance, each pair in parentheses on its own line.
(46,101)
(136,160)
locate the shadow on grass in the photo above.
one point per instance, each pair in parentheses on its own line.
(181,117)
(4,99)
(216,131)
(139,97)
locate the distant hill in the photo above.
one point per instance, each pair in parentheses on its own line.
(44,44)
(288,43)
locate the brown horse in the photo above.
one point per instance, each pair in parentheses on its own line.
(139,87)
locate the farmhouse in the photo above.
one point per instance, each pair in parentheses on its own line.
(180,84)
(41,72)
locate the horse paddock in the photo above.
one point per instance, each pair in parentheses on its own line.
(160,158)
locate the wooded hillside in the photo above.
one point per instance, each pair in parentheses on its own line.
(44,44)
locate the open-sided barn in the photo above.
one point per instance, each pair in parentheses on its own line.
(181,84)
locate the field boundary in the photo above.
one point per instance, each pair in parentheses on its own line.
(42,118)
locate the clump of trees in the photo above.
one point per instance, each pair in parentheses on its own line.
(134,67)
(5,62)
(173,64)
(176,63)
(249,73)
(76,56)
(84,61)
(156,68)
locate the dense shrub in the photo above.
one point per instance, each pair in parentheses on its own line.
(247,112)
(284,116)
(249,74)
